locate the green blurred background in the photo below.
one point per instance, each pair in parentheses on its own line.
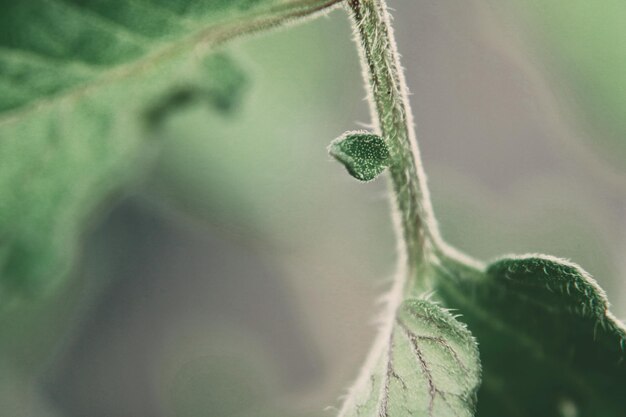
(241,276)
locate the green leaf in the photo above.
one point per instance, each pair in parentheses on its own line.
(78,81)
(549,345)
(220,84)
(428,367)
(364,154)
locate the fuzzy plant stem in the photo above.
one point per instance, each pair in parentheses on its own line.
(392,119)
(416,230)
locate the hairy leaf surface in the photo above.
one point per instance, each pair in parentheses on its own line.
(79,83)
(364,154)
(429,367)
(548,344)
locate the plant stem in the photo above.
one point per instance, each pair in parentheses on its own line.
(391,114)
(416,230)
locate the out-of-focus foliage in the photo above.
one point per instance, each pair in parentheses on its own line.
(76,81)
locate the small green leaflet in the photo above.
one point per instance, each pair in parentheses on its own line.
(428,367)
(549,346)
(364,154)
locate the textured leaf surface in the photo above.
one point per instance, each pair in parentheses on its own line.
(364,154)
(548,344)
(428,367)
(79,83)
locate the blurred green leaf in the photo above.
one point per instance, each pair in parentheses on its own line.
(429,367)
(77,80)
(21,398)
(548,344)
(219,83)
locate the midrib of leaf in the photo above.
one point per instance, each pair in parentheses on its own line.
(432,389)
(207,37)
(417,351)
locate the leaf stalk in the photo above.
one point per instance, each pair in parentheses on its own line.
(416,230)
(392,118)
